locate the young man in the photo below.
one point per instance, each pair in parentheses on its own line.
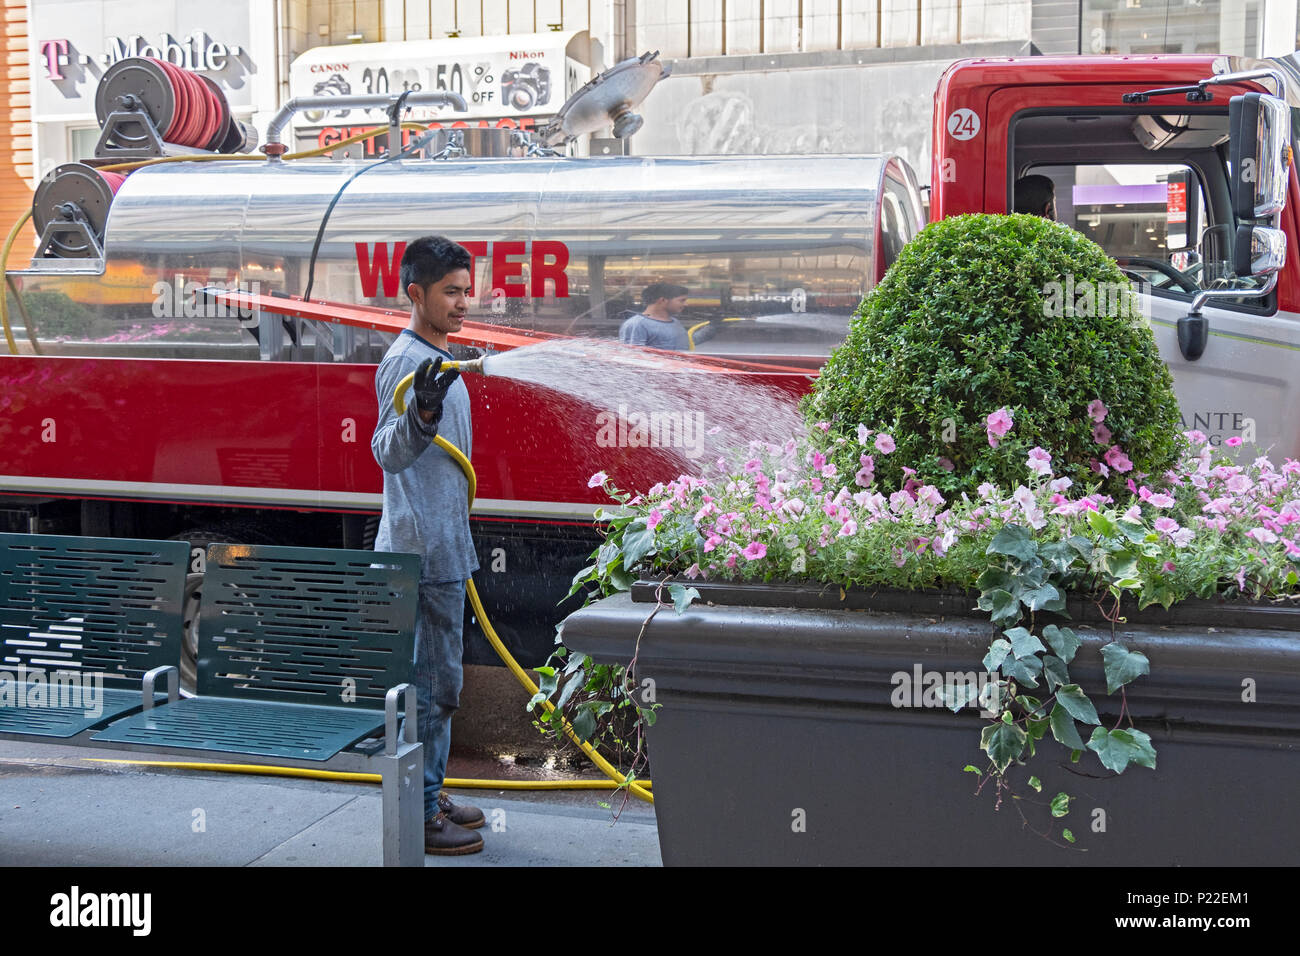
(657,325)
(426,510)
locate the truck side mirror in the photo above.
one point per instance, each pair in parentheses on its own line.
(1260,153)
(1259,251)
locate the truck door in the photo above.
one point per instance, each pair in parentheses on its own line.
(1149,183)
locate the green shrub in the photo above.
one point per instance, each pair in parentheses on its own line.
(974,316)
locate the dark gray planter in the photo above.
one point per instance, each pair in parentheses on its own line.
(772,714)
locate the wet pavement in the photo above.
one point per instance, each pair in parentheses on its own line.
(60,808)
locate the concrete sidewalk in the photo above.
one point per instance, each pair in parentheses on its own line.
(59,809)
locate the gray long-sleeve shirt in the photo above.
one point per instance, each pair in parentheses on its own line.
(426,495)
(640,329)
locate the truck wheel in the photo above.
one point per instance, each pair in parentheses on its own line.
(199,539)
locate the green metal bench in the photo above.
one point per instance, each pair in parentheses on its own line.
(303,654)
(82,622)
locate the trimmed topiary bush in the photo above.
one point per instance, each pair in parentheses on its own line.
(981,313)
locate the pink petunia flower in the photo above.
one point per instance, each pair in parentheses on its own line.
(997,424)
(1116,458)
(1160,500)
(1232,442)
(884,444)
(1039,462)
(755,550)
(598,479)
(1101,434)
(1097,410)
(863,434)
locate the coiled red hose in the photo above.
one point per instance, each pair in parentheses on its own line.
(197,118)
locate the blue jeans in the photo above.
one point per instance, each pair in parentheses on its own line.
(438,678)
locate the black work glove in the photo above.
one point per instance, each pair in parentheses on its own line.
(430,390)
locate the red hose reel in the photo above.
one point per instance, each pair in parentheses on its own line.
(144,103)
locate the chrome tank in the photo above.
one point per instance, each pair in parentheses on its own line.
(781,247)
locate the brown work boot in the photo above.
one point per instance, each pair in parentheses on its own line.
(471,818)
(445,838)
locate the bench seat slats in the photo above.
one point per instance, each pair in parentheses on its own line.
(268,728)
(50,721)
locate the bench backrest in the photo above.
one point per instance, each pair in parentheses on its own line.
(306,625)
(108,605)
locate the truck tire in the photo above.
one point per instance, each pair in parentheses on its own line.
(199,539)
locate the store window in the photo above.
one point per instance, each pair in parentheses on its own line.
(1171,26)
(81,142)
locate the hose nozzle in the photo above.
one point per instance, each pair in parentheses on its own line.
(469,365)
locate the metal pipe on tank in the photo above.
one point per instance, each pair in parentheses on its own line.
(355,101)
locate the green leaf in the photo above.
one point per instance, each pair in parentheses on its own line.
(1045,598)
(1077,704)
(1023,643)
(1102,524)
(1030,704)
(1024,671)
(1122,665)
(1076,754)
(621,578)
(957,696)
(1118,748)
(572,684)
(1015,542)
(638,541)
(971,769)
(581,578)
(1068,835)
(998,652)
(1122,566)
(1082,545)
(682,596)
(1133,531)
(1161,594)
(1004,743)
(535,700)
(584,724)
(1055,671)
(1036,784)
(1060,804)
(607,553)
(1059,555)
(1002,605)
(1063,641)
(995,579)
(1063,729)
(1037,727)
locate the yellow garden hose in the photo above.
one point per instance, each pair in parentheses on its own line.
(4,298)
(455,783)
(399,405)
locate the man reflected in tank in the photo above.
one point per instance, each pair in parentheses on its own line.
(656,324)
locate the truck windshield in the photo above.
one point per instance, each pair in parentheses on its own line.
(1158,203)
